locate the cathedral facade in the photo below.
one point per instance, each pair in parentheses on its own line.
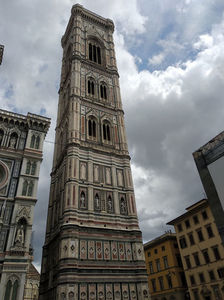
(21,144)
(93,245)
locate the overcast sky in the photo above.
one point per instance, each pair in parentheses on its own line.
(170,56)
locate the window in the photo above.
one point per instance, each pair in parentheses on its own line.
(209,231)
(165,261)
(161,283)
(163,248)
(195,218)
(188,262)
(187,224)
(206,256)
(153,281)
(158,265)
(204,215)
(175,245)
(149,254)
(35,142)
(32,143)
(216,253)
(182,242)
(211,275)
(192,280)
(151,268)
(196,259)
(91,87)
(92,128)
(30,189)
(221,272)
(28,166)
(25,187)
(1,136)
(155,251)
(103,91)
(106,132)
(201,277)
(169,281)
(179,227)
(33,168)
(200,235)
(179,261)
(94,53)
(196,296)
(13,140)
(191,239)
(183,279)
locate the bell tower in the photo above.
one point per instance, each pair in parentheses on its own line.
(93,246)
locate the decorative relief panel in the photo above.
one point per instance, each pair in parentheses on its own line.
(133,292)
(128,251)
(91,249)
(114,251)
(83,249)
(120,178)
(96,173)
(125,292)
(83,170)
(100,291)
(109,292)
(121,251)
(108,175)
(106,248)
(99,250)
(92,292)
(117,291)
(83,292)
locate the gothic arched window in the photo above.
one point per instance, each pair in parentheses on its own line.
(28,166)
(8,290)
(103,91)
(1,136)
(37,143)
(32,142)
(25,187)
(106,132)
(95,52)
(91,87)
(30,189)
(92,128)
(33,168)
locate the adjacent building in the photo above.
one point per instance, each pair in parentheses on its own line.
(201,251)
(21,146)
(31,289)
(209,160)
(93,247)
(166,277)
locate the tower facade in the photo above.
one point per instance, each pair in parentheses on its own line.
(21,146)
(93,246)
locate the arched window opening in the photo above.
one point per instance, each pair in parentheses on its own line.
(90,52)
(97,202)
(98,55)
(106,132)
(37,144)
(103,91)
(32,143)
(25,187)
(28,166)
(30,189)
(1,136)
(91,87)
(95,53)
(13,140)
(90,127)
(82,200)
(14,291)
(71,296)
(8,290)
(33,169)
(94,128)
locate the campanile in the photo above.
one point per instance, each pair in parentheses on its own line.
(93,245)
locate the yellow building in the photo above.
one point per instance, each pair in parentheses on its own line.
(164,266)
(201,252)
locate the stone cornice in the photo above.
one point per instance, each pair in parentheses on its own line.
(78,9)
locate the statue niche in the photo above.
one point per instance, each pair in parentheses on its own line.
(20,233)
